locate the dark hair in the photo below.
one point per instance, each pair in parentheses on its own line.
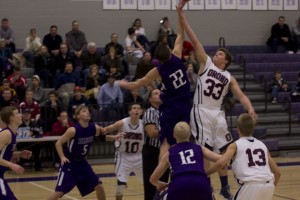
(132,104)
(53,26)
(228,56)
(6,113)
(137,19)
(131,31)
(162,53)
(53,92)
(4,20)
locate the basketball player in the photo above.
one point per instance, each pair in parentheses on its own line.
(252,165)
(10,117)
(175,88)
(74,168)
(189,180)
(208,123)
(128,148)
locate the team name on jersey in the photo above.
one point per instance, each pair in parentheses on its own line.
(86,140)
(133,136)
(223,79)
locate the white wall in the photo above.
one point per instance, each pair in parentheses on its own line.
(237,27)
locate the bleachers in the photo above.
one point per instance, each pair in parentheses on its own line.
(252,68)
(266,58)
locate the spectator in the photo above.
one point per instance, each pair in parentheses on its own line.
(38,91)
(62,58)
(7,33)
(93,83)
(114,43)
(187,48)
(62,124)
(44,68)
(90,57)
(131,97)
(33,43)
(6,85)
(166,29)
(144,66)
(161,40)
(192,76)
(6,62)
(110,99)
(280,36)
(33,105)
(31,129)
(133,49)
(76,39)
(66,83)
(296,91)
(141,33)
(112,59)
(19,83)
(77,100)
(52,41)
(296,34)
(278,85)
(50,110)
(6,99)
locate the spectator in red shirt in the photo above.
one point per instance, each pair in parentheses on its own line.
(186,49)
(29,102)
(18,82)
(62,124)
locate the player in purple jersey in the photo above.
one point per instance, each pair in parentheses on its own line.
(175,91)
(185,159)
(11,117)
(74,169)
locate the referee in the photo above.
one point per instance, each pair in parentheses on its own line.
(151,147)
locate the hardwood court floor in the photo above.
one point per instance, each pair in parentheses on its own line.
(38,185)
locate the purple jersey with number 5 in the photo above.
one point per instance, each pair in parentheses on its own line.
(7,151)
(79,145)
(187,173)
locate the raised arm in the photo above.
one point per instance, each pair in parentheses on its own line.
(177,50)
(199,50)
(149,78)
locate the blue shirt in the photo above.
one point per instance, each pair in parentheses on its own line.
(110,94)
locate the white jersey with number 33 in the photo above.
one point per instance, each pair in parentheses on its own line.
(134,139)
(212,86)
(251,161)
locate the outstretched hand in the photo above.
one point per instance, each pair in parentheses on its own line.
(123,83)
(180,5)
(25,154)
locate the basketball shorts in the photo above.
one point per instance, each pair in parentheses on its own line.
(5,191)
(256,191)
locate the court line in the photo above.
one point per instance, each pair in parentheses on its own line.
(283,197)
(50,190)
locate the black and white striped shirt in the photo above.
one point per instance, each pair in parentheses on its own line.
(151,116)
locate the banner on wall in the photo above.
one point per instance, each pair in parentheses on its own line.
(162,5)
(290,5)
(275,4)
(228,4)
(145,5)
(212,5)
(111,4)
(260,4)
(175,2)
(128,4)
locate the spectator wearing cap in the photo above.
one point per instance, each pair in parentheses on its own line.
(33,105)
(30,129)
(110,99)
(66,83)
(38,91)
(77,100)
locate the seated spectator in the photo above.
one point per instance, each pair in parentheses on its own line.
(33,105)
(131,97)
(133,49)
(33,43)
(93,83)
(50,110)
(76,40)
(166,29)
(90,57)
(6,62)
(278,85)
(111,59)
(110,99)
(52,41)
(141,33)
(296,34)
(7,33)
(162,39)
(144,66)
(18,82)
(187,48)
(117,73)
(192,76)
(38,91)
(114,43)
(30,128)
(6,85)
(77,100)
(280,36)
(192,59)
(296,90)
(6,99)
(43,66)
(64,56)
(66,83)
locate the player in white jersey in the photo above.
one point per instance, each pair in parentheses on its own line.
(129,148)
(252,165)
(208,123)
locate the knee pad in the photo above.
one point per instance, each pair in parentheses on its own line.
(120,189)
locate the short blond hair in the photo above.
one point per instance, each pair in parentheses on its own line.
(246,124)
(182,131)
